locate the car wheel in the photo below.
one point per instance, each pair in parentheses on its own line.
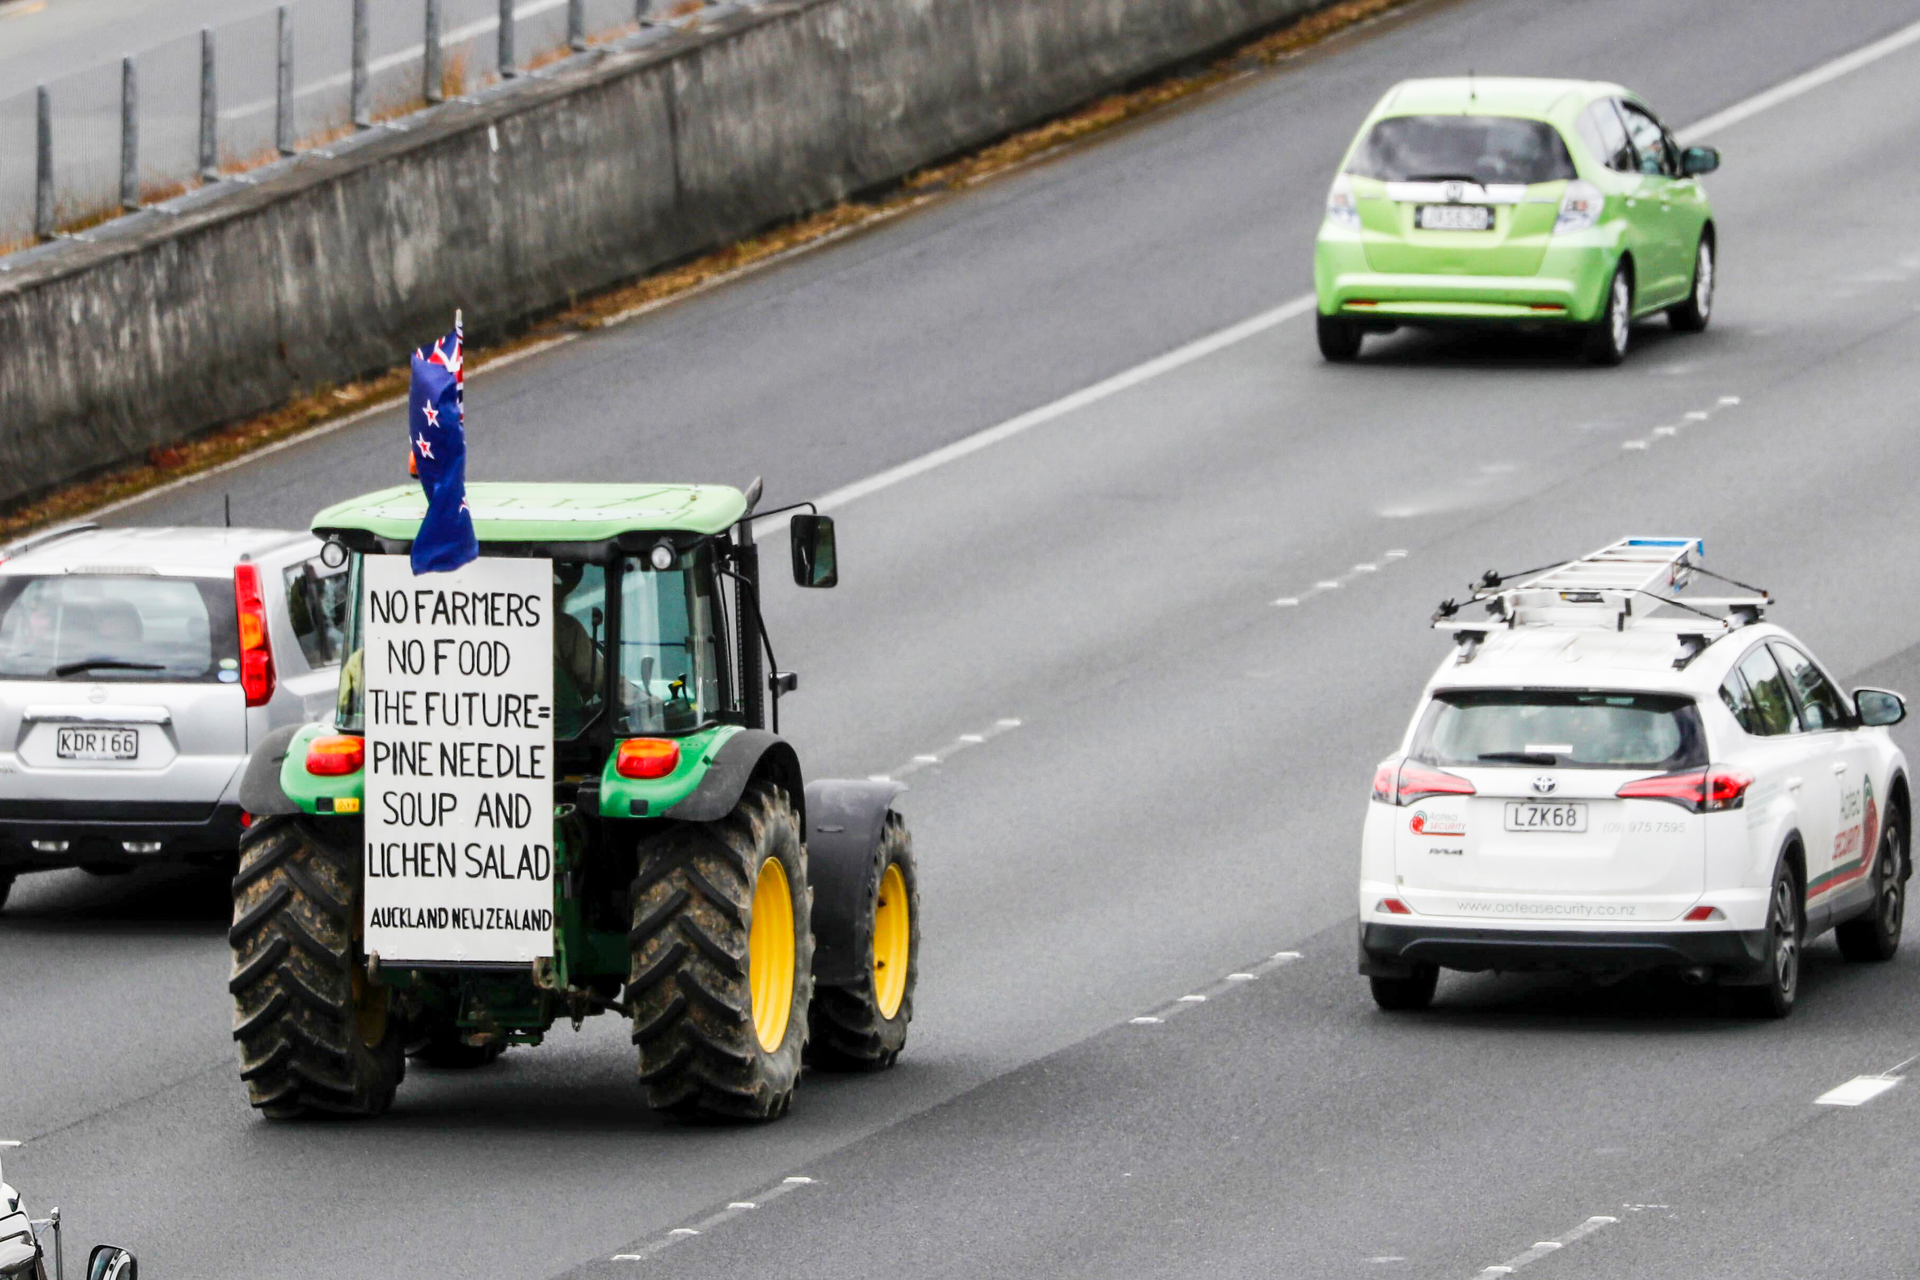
(1786,929)
(1876,934)
(1692,315)
(1339,339)
(1409,994)
(1607,338)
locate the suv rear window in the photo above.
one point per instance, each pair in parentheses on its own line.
(100,627)
(1479,149)
(1565,729)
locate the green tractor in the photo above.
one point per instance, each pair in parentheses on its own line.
(554,787)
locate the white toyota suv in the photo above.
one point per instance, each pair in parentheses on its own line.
(138,668)
(1608,775)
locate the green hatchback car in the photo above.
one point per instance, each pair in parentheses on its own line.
(1516,202)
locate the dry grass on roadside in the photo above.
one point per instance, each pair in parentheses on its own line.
(211,449)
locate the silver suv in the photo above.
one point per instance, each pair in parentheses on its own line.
(138,667)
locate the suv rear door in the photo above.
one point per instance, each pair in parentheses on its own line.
(315,617)
(1545,836)
(119,686)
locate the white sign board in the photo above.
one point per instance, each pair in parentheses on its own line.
(459,725)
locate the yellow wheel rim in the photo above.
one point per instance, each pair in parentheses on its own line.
(892,935)
(770,954)
(369,1009)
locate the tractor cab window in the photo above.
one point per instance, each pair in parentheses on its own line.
(579,646)
(669,648)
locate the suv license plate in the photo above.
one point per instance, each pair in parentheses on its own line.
(98,744)
(1526,815)
(1453,217)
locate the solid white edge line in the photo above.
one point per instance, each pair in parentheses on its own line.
(1803,83)
(1179,357)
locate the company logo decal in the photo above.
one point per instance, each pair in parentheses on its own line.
(1544,786)
(1455,192)
(1436,824)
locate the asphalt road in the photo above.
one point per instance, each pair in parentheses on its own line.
(1180,797)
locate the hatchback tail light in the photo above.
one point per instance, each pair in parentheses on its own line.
(1710,790)
(256,651)
(1405,781)
(1580,207)
(1341,210)
(336,755)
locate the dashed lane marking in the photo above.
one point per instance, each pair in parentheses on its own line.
(1856,1092)
(1237,978)
(963,742)
(1362,569)
(1542,1248)
(733,1210)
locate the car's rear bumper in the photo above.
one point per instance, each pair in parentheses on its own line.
(101,831)
(1390,950)
(1569,287)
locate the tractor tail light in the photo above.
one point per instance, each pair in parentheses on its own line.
(256,651)
(647,758)
(1711,790)
(336,755)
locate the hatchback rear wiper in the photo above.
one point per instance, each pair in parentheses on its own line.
(1443,177)
(1520,757)
(104,664)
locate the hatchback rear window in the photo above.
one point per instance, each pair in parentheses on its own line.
(113,627)
(1563,729)
(1479,149)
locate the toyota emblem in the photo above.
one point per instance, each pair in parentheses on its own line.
(1544,785)
(97,694)
(1455,192)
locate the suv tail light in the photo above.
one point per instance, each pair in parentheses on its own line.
(336,755)
(1714,789)
(1404,781)
(256,652)
(647,758)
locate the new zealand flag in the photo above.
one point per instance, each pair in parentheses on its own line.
(436,412)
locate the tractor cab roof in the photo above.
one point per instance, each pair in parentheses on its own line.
(542,513)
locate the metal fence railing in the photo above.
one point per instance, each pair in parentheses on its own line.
(85,147)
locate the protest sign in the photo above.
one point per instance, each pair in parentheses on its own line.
(459,787)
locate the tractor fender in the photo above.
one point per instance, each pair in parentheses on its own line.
(260,790)
(749,754)
(843,824)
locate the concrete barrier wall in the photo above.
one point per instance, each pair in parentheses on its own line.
(330,267)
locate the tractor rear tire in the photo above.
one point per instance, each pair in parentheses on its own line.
(862,1026)
(6,886)
(711,1045)
(315,1035)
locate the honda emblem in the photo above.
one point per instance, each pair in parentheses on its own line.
(1455,192)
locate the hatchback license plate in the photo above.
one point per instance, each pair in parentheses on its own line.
(1526,815)
(98,744)
(1453,217)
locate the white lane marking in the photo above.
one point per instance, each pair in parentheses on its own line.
(1335,584)
(733,1209)
(1697,415)
(1145,1020)
(9,1142)
(1396,555)
(1239,977)
(1857,1091)
(1542,1248)
(1178,358)
(1193,999)
(927,759)
(1806,82)
(1729,400)
(1287,602)
(1218,989)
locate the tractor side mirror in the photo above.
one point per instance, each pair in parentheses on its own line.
(110,1262)
(1878,707)
(814,562)
(1699,160)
